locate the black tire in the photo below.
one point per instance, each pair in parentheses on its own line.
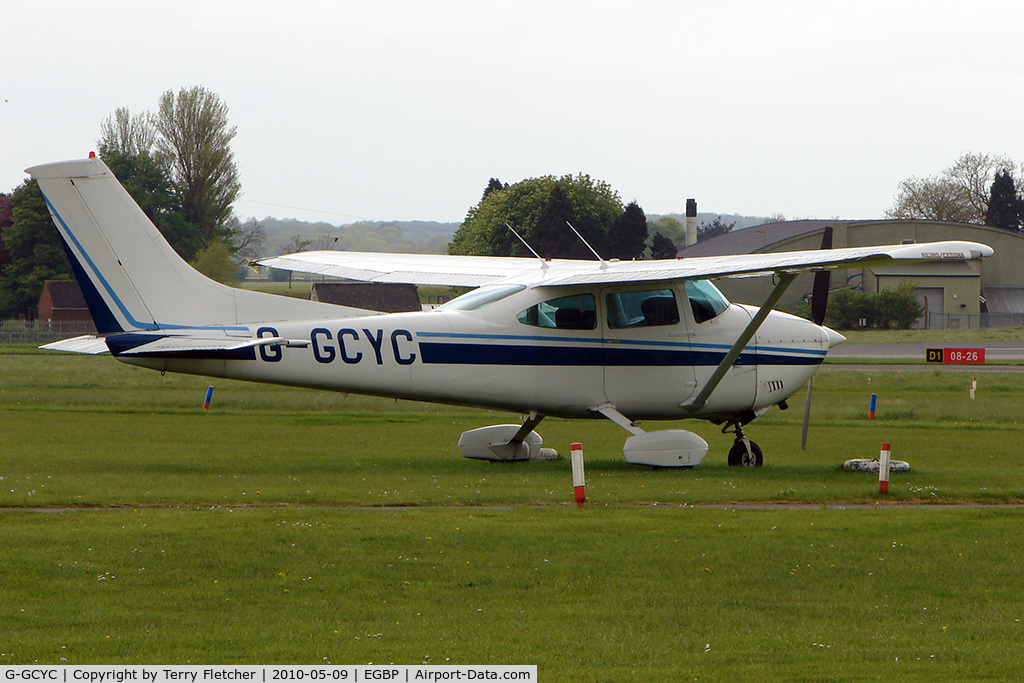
(738,456)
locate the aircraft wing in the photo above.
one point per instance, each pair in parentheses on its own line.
(413,269)
(473,271)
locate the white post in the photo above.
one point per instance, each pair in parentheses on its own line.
(578,481)
(883,468)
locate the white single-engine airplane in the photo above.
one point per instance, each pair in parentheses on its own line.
(627,341)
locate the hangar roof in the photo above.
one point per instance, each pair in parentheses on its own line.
(756,238)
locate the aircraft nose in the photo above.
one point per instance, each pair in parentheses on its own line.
(834,338)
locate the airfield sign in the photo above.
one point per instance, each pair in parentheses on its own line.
(961,356)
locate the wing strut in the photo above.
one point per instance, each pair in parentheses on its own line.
(609,411)
(531,422)
(785,279)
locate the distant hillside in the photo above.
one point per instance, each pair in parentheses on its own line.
(415,237)
(702,217)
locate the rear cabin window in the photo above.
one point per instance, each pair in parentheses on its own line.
(577,312)
(649,308)
(706,301)
(478,298)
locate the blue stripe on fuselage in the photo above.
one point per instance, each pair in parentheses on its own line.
(597,351)
(532,354)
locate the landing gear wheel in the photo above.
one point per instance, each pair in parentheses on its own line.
(739,457)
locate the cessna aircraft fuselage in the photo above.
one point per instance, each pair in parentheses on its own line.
(516,347)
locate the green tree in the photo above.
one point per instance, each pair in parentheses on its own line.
(627,236)
(194,147)
(214,261)
(1005,206)
(959,194)
(669,227)
(6,218)
(248,240)
(706,231)
(847,308)
(551,236)
(897,308)
(35,251)
(131,135)
(933,199)
(662,247)
(891,308)
(594,205)
(492,185)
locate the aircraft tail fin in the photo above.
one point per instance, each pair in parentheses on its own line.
(131,277)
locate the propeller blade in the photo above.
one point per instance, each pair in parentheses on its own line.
(819,302)
(822,282)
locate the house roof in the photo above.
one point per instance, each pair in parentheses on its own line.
(374,296)
(65,295)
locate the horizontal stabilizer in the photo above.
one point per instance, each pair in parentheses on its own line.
(136,344)
(87,343)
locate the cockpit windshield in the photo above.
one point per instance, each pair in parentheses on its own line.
(706,301)
(480,297)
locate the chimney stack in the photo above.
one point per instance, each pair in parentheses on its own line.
(691,222)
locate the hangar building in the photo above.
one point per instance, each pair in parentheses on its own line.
(987,293)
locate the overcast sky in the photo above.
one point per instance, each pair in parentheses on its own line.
(403,110)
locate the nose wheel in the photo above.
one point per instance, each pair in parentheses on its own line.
(744,452)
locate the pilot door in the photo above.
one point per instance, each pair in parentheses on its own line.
(647,356)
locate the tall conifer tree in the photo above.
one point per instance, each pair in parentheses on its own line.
(1005,206)
(627,235)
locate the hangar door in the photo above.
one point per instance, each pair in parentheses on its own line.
(931,300)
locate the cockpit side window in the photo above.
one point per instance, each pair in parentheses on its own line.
(706,301)
(577,312)
(648,308)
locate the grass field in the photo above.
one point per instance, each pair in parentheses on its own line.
(291,526)
(950,336)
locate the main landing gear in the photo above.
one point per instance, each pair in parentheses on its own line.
(744,452)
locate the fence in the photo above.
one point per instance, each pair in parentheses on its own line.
(42,331)
(974,321)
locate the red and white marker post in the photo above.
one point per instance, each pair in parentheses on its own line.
(884,459)
(579,484)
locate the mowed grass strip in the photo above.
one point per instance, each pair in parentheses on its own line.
(603,593)
(86,431)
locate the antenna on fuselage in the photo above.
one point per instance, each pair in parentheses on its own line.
(543,263)
(603,262)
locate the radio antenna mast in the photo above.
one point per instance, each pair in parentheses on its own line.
(604,264)
(543,263)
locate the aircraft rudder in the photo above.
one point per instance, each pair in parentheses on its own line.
(131,277)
